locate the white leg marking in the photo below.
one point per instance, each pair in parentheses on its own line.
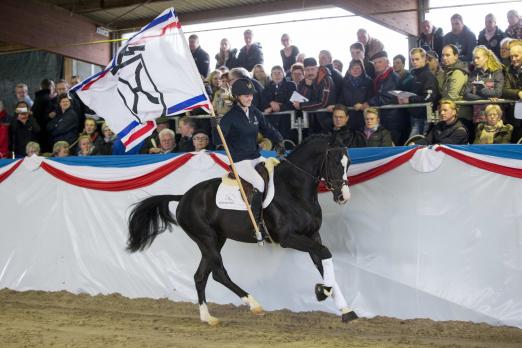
(329,280)
(255,307)
(205,316)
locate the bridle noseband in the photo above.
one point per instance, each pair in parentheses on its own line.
(329,183)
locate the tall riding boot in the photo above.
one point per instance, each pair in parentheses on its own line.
(256,203)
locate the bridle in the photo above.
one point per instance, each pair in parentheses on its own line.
(329,183)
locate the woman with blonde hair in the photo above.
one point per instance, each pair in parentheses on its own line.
(449,130)
(213,82)
(493,130)
(260,75)
(60,149)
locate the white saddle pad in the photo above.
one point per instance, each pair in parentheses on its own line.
(229,196)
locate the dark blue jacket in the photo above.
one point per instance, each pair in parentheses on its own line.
(254,55)
(241,132)
(202,60)
(426,88)
(356,91)
(493,43)
(280,93)
(466,41)
(64,127)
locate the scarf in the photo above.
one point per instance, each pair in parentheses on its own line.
(377,82)
(369,131)
(487,135)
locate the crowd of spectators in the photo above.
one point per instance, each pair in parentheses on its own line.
(445,69)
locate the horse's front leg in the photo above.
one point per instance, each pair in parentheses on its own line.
(322,258)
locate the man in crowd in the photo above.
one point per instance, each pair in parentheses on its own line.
(151,144)
(250,54)
(201,58)
(491,35)
(371,45)
(297,73)
(44,109)
(186,129)
(513,85)
(514,30)
(318,88)
(357,52)
(431,38)
(405,78)
(325,59)
(463,38)
(22,94)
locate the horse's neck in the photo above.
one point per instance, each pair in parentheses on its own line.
(306,176)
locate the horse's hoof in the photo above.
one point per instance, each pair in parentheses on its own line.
(213,321)
(347,317)
(322,292)
(258,311)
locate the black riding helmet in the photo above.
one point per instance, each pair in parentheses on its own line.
(243,87)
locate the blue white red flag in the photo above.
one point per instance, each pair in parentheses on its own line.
(152,75)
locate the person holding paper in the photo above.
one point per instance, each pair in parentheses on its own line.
(425,88)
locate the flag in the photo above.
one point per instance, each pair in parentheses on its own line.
(152,75)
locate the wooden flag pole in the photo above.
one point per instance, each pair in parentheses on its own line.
(259,237)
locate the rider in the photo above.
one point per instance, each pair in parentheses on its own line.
(240,127)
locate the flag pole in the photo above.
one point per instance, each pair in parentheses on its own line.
(259,237)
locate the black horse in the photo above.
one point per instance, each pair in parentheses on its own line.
(293,219)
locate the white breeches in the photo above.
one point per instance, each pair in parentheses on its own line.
(246,170)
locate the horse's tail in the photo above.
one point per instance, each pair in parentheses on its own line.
(149,218)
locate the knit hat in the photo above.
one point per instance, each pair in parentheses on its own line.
(381,54)
(310,61)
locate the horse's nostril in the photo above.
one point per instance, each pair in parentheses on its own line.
(340,197)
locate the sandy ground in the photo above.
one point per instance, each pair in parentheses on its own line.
(61,319)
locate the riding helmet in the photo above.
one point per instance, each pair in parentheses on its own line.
(243,87)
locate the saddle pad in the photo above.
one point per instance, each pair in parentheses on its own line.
(229,197)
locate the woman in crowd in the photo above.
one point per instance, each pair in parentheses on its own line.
(504,51)
(60,149)
(32,148)
(104,147)
(222,101)
(64,126)
(226,56)
(449,130)
(24,129)
(259,74)
(493,130)
(213,83)
(486,81)
(374,135)
(340,119)
(288,53)
(357,90)
(85,146)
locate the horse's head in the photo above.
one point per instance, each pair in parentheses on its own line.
(334,170)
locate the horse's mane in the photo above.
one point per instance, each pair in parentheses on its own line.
(312,139)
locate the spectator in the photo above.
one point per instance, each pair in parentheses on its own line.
(454,77)
(90,128)
(430,38)
(167,142)
(373,133)
(318,88)
(433,62)
(213,83)
(405,78)
(357,52)
(297,73)
(426,89)
(325,59)
(85,145)
(5,123)
(241,73)
(222,100)
(371,45)
(201,57)
(449,130)
(226,55)
(43,110)
(60,149)
(24,129)
(357,90)
(463,38)
(200,140)
(485,81)
(153,140)
(32,148)
(62,87)
(340,119)
(493,130)
(514,30)
(288,53)
(22,94)
(504,51)
(513,84)
(276,98)
(491,36)
(338,65)
(104,147)
(75,79)
(251,54)
(385,81)
(64,126)
(259,74)
(300,58)
(186,129)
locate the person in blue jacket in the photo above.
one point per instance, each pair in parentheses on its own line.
(240,127)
